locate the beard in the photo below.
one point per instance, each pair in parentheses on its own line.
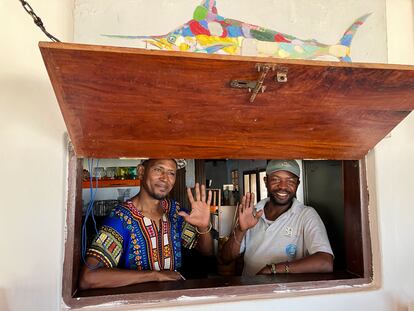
(158,196)
(156,193)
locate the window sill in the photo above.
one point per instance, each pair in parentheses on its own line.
(216,289)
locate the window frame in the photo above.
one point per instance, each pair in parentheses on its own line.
(358,249)
(258,183)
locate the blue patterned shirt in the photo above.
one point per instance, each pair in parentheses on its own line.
(129,240)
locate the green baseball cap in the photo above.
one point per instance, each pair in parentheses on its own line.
(283,165)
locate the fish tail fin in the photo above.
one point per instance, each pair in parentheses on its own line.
(346,39)
(343,48)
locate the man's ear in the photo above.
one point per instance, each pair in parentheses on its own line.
(140,171)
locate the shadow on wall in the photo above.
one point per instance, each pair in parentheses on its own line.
(34,109)
(3,300)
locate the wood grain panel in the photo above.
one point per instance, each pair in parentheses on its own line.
(123,102)
(353,218)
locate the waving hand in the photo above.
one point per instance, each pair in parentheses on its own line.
(248,218)
(200,208)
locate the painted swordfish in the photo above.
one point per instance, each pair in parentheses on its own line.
(208,32)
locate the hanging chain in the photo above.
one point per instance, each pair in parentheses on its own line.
(37,20)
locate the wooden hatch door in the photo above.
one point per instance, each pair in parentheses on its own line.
(126,102)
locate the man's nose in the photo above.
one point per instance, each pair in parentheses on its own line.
(283,184)
(163,175)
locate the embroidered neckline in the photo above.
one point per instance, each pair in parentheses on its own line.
(165,204)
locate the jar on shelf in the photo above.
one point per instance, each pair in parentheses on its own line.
(122,173)
(111,172)
(132,172)
(99,172)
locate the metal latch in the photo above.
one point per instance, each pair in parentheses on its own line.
(257,86)
(240,84)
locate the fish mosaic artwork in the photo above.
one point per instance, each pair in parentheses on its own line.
(209,32)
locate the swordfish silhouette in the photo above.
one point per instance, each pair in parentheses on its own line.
(208,32)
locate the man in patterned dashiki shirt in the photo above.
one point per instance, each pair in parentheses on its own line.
(140,241)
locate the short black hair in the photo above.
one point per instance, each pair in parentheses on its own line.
(146,162)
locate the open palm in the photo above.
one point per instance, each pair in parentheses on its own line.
(200,207)
(248,218)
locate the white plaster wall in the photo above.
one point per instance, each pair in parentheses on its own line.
(33,178)
(394,168)
(32,160)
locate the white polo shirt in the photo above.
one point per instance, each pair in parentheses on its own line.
(297,233)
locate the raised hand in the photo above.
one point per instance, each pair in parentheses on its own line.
(200,208)
(248,218)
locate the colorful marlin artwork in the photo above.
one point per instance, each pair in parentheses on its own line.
(208,32)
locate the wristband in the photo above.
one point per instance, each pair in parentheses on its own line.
(208,230)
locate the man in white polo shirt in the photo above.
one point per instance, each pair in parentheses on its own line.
(279,234)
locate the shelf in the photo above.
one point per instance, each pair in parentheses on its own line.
(129,102)
(112,183)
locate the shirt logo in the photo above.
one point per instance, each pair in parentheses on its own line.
(289,231)
(291,250)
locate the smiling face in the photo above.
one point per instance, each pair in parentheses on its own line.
(282,186)
(158,177)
